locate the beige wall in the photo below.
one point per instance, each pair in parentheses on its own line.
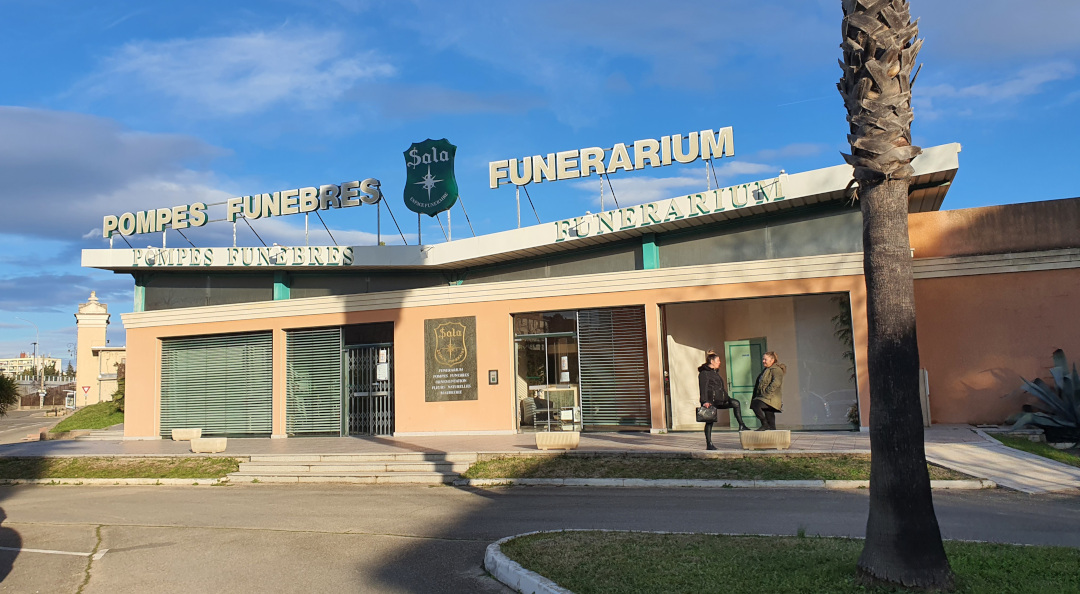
(979,335)
(494,409)
(693,329)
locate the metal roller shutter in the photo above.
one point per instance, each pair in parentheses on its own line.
(223,384)
(614,370)
(313,381)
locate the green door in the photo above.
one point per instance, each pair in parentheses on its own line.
(743,367)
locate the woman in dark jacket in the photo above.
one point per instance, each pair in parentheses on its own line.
(714,394)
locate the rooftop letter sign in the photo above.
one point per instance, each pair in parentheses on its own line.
(639,154)
(673,209)
(286,202)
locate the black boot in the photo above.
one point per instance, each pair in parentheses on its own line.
(709,446)
(742,426)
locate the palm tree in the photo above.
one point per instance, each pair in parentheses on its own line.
(903,541)
(9,394)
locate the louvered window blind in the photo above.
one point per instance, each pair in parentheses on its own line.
(614,371)
(222,384)
(313,381)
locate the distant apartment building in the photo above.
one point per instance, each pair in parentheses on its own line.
(25,363)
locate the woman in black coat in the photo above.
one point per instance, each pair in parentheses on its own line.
(714,394)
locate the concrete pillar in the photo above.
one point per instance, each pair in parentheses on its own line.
(91,323)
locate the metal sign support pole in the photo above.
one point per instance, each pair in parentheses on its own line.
(419,237)
(306,229)
(378,223)
(234,233)
(517,197)
(449,230)
(162,238)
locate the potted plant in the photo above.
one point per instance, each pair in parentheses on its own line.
(1058,410)
(853,416)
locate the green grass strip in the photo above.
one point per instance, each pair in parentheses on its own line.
(1040,449)
(96,416)
(595,562)
(757,467)
(112,468)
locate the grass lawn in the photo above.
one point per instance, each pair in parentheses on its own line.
(109,468)
(1069,457)
(592,562)
(95,416)
(768,467)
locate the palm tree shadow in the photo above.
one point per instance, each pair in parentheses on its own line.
(11,542)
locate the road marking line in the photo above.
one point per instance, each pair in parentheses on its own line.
(95,557)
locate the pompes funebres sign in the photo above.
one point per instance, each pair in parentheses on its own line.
(257,206)
(584,162)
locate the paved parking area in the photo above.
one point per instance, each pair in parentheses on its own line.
(288,538)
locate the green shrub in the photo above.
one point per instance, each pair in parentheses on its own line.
(1058,413)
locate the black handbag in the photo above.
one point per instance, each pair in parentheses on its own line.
(706,414)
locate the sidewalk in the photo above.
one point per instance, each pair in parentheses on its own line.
(959,447)
(1008,467)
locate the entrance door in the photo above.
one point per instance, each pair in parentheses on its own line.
(743,367)
(370,373)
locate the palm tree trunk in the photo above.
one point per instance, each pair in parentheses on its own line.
(903,540)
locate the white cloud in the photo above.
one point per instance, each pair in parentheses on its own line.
(62,171)
(1028,81)
(933,100)
(639,190)
(241,74)
(989,31)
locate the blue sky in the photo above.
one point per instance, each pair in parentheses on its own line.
(120,106)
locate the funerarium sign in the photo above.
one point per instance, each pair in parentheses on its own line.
(450,359)
(672,209)
(651,152)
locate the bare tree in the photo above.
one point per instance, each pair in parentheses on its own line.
(903,541)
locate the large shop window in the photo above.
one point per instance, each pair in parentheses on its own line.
(222,384)
(581,368)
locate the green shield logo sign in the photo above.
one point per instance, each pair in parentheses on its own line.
(430,186)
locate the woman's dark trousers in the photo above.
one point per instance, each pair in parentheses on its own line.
(765,413)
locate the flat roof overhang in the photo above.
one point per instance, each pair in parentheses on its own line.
(935,169)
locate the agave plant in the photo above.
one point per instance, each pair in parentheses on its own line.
(1060,404)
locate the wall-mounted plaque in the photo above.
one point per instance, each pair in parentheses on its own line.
(450,359)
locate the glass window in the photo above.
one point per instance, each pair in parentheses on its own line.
(550,322)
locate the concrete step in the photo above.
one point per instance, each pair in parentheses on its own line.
(424,478)
(355,467)
(367,457)
(103,435)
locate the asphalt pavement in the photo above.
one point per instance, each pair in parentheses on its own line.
(286,538)
(17,424)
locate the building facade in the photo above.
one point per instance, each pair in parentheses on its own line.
(595,323)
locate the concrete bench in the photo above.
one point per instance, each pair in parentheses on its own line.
(186,434)
(766,440)
(558,440)
(208,445)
